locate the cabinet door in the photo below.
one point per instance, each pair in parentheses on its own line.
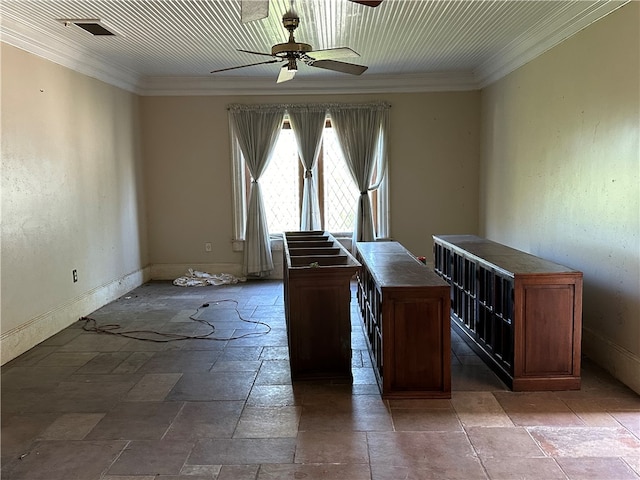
(319,328)
(470,301)
(545,329)
(502,322)
(416,345)
(485,306)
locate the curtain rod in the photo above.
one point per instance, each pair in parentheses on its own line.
(302,106)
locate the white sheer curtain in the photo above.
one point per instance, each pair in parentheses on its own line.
(257,131)
(361,132)
(307,123)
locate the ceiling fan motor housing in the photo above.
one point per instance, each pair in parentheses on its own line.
(291,47)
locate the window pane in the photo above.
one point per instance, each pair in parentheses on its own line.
(280,185)
(340,191)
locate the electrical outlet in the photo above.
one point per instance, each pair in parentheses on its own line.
(207,247)
(74,273)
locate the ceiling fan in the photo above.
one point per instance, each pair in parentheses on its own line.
(251,10)
(290,52)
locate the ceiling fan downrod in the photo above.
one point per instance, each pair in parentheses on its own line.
(291,21)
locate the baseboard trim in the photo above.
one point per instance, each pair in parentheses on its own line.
(620,362)
(29,334)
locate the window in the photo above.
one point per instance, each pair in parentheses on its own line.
(340,192)
(282,182)
(282,186)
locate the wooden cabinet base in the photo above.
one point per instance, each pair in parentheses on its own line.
(522,314)
(317,294)
(405,311)
(319,327)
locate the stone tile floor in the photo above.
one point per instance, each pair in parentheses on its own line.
(87,406)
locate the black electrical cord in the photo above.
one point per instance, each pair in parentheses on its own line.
(91,325)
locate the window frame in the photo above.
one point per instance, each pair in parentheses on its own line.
(241,184)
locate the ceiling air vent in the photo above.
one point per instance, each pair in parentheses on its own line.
(92,26)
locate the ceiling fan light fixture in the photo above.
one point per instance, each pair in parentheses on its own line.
(286,74)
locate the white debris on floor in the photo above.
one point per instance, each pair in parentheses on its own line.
(195,278)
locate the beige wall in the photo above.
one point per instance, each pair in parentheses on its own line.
(560,175)
(434,145)
(71,197)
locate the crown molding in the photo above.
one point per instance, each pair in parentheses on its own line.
(39,43)
(538,42)
(436,82)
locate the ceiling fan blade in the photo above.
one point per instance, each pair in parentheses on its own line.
(329,53)
(243,66)
(368,3)
(255,53)
(286,74)
(340,66)
(251,10)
